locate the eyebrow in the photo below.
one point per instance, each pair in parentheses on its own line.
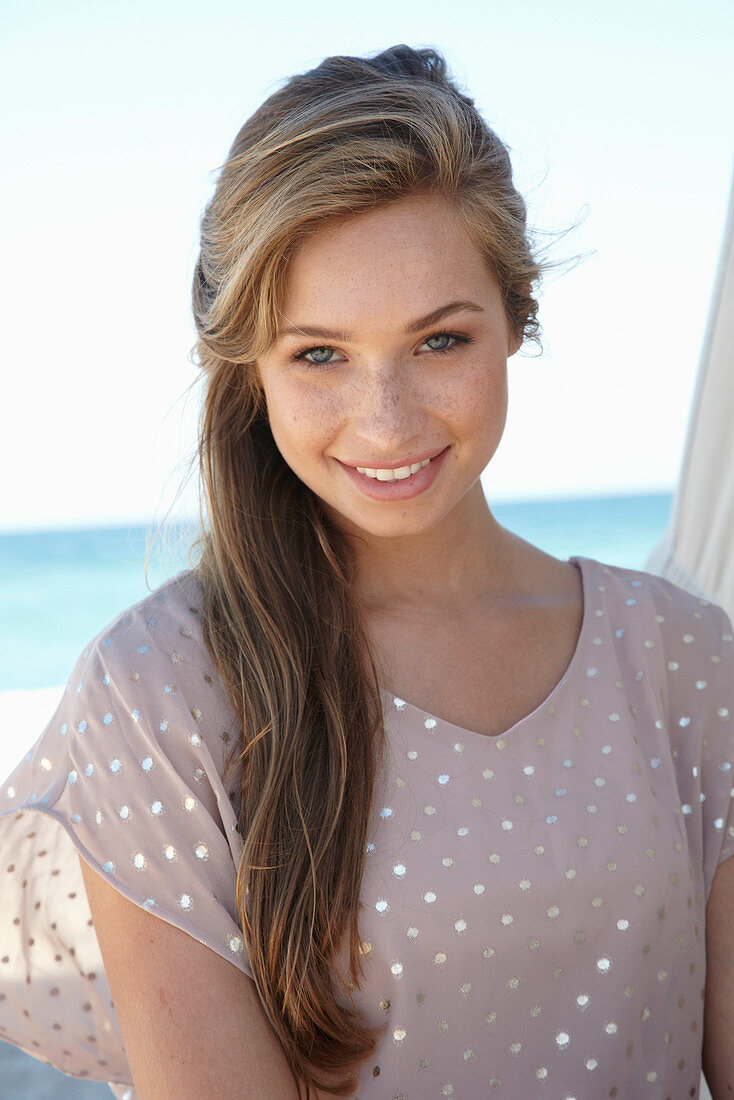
(413,327)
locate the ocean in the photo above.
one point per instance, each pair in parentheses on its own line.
(58,589)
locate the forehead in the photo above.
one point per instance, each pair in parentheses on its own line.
(407,257)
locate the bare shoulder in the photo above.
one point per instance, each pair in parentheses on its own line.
(192,1023)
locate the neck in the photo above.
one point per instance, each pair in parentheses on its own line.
(446,569)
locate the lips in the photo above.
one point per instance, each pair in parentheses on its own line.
(400,489)
(409,460)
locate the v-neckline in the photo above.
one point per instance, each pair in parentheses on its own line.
(401,702)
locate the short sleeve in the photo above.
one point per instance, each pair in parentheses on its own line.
(129,774)
(717,748)
(699,654)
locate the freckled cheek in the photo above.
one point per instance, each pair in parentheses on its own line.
(302,422)
(477,401)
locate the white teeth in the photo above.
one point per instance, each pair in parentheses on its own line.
(394,475)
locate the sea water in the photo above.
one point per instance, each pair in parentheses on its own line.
(58,589)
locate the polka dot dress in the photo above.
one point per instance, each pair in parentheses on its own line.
(533,903)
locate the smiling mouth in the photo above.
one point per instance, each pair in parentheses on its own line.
(400,474)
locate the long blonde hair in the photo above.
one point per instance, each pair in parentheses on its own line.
(281,619)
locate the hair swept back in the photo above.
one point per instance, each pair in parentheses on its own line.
(281,620)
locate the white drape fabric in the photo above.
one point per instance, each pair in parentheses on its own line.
(697,550)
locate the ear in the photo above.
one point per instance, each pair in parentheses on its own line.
(515,343)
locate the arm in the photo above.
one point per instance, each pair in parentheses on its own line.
(718,1048)
(191,1022)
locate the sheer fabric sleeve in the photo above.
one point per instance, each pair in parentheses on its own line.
(129,774)
(717,750)
(699,655)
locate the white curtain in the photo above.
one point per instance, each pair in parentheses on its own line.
(697,550)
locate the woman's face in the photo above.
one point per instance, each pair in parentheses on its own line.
(392,350)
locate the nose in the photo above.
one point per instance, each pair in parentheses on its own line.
(388,413)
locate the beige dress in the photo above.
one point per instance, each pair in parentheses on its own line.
(533,904)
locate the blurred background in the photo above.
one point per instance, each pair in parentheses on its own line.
(115,120)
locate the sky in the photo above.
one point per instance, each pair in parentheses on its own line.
(619,121)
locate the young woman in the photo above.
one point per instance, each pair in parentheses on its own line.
(289,877)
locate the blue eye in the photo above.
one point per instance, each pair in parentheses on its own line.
(444,336)
(321,356)
(448,341)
